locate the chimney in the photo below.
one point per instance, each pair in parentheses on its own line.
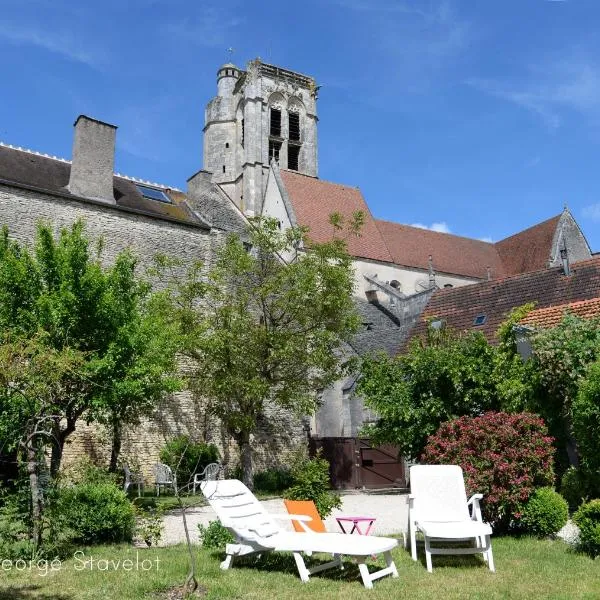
(93,160)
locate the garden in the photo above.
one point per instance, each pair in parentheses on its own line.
(85,342)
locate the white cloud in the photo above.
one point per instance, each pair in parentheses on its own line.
(61,42)
(592,212)
(487,239)
(441,227)
(552,90)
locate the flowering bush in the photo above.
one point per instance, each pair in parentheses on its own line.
(503,456)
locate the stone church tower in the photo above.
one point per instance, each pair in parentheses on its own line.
(262,114)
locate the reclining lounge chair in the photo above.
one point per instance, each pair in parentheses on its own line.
(256,532)
(439,509)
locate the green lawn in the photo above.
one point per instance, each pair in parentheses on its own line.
(526,568)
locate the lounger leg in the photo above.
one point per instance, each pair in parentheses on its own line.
(228,562)
(302,570)
(428,555)
(413,540)
(391,565)
(364,573)
(489,555)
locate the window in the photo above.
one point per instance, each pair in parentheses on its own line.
(242,133)
(275,122)
(293,154)
(479,320)
(274,148)
(395,284)
(448,285)
(226,144)
(223,168)
(294,126)
(152,193)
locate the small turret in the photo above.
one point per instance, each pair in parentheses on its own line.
(227,77)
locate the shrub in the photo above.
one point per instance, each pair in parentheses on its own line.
(311,482)
(503,456)
(186,457)
(149,524)
(586,418)
(578,485)
(545,513)
(85,471)
(587,519)
(95,513)
(15,542)
(214,535)
(273,480)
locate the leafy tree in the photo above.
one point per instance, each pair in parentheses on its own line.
(440,378)
(33,378)
(60,295)
(586,418)
(261,330)
(561,356)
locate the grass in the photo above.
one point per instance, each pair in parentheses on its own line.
(526,568)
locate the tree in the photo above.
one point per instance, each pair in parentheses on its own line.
(258,329)
(62,296)
(32,381)
(440,378)
(562,355)
(586,419)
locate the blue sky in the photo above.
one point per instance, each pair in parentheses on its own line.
(476,117)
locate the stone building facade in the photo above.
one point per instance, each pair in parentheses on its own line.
(148,219)
(264,113)
(260,158)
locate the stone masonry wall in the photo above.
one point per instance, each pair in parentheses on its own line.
(146,236)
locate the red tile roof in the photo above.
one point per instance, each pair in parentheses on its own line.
(314,200)
(528,250)
(412,246)
(552,315)
(494,299)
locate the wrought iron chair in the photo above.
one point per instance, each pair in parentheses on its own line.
(210,473)
(163,476)
(133,478)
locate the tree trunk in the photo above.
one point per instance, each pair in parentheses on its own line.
(116,445)
(243,441)
(58,444)
(36,494)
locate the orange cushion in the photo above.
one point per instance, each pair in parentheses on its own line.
(308,508)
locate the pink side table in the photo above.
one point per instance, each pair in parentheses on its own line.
(358,524)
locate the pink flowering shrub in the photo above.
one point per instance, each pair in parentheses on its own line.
(504,456)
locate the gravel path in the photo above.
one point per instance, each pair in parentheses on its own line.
(391,511)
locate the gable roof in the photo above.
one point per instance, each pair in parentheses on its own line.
(412,246)
(552,315)
(313,200)
(51,174)
(528,250)
(459,306)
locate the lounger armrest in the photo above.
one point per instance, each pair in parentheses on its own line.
(473,502)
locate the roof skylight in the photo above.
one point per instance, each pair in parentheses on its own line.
(152,193)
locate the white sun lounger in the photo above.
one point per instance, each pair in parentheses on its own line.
(439,509)
(256,531)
